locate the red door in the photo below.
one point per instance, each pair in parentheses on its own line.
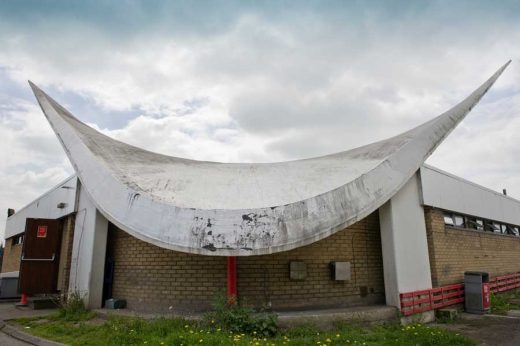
(40,256)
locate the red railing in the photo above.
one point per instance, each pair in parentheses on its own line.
(504,283)
(439,297)
(431,299)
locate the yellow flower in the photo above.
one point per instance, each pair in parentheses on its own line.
(328,340)
(337,335)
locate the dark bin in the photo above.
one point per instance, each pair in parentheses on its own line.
(477,294)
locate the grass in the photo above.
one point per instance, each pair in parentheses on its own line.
(501,303)
(134,331)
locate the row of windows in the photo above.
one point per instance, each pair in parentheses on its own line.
(479,224)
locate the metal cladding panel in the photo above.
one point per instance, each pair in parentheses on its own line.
(45,207)
(224,209)
(446,191)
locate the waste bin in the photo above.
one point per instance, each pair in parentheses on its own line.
(477,298)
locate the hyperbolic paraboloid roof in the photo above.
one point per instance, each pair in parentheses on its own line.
(228,209)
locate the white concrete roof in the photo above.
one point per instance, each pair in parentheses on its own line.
(243,209)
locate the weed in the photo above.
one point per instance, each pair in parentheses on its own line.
(72,308)
(238,318)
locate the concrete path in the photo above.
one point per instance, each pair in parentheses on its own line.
(9,341)
(9,311)
(487,329)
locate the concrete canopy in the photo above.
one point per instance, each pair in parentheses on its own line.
(243,209)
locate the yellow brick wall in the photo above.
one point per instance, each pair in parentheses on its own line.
(153,278)
(65,252)
(12,254)
(453,251)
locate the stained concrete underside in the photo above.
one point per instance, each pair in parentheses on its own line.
(243,209)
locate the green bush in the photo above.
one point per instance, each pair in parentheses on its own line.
(237,318)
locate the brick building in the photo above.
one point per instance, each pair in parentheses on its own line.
(164,233)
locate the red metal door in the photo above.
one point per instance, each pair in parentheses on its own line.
(40,256)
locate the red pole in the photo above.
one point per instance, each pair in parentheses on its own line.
(232,279)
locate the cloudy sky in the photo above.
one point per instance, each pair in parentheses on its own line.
(257,81)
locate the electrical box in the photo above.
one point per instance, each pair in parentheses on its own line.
(340,271)
(477,293)
(297,270)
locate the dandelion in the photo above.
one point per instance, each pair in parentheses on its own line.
(201,340)
(337,335)
(328,340)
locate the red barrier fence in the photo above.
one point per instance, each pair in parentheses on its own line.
(504,283)
(439,297)
(431,299)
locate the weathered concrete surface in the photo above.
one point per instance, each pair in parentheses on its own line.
(243,209)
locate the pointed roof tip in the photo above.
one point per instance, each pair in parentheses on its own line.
(33,86)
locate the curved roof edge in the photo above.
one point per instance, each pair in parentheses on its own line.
(251,231)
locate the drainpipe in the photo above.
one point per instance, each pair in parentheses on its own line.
(232,279)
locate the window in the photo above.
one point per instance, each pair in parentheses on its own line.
(472,222)
(496,227)
(459,220)
(17,240)
(452,219)
(448,220)
(511,230)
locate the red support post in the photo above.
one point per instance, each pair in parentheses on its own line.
(232,279)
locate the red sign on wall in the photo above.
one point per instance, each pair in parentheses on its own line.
(42,232)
